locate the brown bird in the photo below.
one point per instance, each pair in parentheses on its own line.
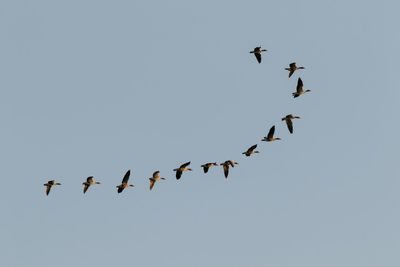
(49,185)
(292,68)
(181,169)
(124,183)
(251,151)
(88,183)
(257,52)
(155,178)
(289,123)
(208,165)
(299,89)
(226,165)
(270,136)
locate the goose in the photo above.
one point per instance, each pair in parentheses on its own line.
(292,68)
(208,165)
(49,185)
(257,52)
(299,89)
(88,183)
(181,169)
(251,151)
(226,165)
(270,136)
(124,183)
(155,178)
(289,123)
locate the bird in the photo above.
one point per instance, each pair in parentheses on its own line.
(257,52)
(299,89)
(292,68)
(155,178)
(49,184)
(208,165)
(181,169)
(251,151)
(289,123)
(270,136)
(124,183)
(226,165)
(88,183)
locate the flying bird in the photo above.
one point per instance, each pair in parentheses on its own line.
(155,178)
(124,183)
(250,151)
(289,123)
(88,183)
(257,52)
(181,169)
(292,68)
(49,185)
(299,89)
(208,165)
(226,165)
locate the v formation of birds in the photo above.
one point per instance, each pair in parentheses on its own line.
(225,165)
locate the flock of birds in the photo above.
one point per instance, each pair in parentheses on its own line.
(227,164)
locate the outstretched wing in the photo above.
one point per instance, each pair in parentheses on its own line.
(299,87)
(120,189)
(178,174)
(271,132)
(89,179)
(48,187)
(289,125)
(226,170)
(291,72)
(155,174)
(205,168)
(152,182)
(85,188)
(185,164)
(251,148)
(258,56)
(292,65)
(126,177)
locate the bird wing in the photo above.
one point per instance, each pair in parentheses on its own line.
(48,187)
(185,164)
(299,87)
(178,174)
(120,189)
(85,188)
(291,72)
(126,177)
(205,168)
(271,132)
(155,174)
(89,179)
(226,170)
(289,125)
(152,182)
(251,148)
(292,65)
(258,56)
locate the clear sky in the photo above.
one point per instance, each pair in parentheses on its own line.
(100,87)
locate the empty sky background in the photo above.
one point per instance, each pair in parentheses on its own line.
(100,87)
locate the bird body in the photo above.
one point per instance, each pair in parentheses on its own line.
(49,184)
(270,136)
(124,183)
(226,165)
(88,183)
(155,178)
(208,165)
(257,53)
(289,122)
(181,169)
(292,68)
(250,151)
(299,89)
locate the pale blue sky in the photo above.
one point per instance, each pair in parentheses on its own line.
(100,87)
